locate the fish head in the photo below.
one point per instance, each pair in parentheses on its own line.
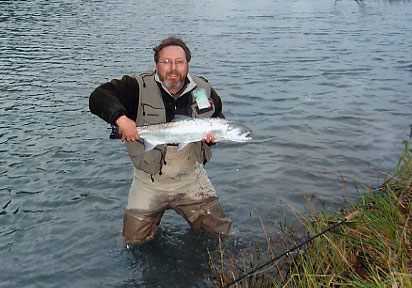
(238,132)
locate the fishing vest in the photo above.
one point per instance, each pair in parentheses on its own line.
(151,110)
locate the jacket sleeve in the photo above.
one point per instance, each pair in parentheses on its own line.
(218,104)
(111,100)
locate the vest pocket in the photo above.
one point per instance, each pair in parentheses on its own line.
(203,113)
(151,114)
(149,162)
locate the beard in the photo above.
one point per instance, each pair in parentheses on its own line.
(171,84)
(174,82)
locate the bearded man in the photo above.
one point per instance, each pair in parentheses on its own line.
(165,177)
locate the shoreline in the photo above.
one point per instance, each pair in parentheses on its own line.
(372,249)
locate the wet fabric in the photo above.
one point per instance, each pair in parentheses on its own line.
(182,186)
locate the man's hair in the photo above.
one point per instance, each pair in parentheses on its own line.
(172,41)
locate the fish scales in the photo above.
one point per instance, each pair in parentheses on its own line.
(186,131)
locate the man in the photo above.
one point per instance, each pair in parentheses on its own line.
(165,177)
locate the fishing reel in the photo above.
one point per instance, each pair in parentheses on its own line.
(115,134)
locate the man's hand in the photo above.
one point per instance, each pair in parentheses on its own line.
(210,138)
(128,129)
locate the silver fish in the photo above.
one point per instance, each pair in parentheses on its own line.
(183,132)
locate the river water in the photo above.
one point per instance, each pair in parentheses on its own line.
(325,85)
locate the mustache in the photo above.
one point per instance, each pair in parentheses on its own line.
(174,73)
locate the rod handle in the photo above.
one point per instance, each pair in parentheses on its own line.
(352,215)
(115,134)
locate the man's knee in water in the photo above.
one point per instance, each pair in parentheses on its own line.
(208,217)
(139,228)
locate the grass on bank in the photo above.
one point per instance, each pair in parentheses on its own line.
(372,250)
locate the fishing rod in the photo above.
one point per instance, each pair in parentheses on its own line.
(347,218)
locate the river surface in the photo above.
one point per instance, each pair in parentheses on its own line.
(325,85)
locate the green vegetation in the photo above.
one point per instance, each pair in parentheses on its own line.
(374,249)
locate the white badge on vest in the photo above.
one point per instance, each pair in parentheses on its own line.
(201,99)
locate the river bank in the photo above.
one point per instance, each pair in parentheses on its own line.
(372,249)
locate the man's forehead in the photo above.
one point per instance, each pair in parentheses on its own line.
(172,50)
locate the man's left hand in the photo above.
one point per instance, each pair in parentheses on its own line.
(210,138)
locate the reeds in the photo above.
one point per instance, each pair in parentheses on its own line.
(372,250)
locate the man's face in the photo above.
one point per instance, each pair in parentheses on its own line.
(172,68)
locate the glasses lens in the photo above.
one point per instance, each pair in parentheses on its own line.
(180,62)
(169,62)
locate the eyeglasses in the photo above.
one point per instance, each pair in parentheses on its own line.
(169,62)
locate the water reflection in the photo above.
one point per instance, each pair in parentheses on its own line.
(183,259)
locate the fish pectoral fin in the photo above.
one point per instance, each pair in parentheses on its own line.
(148,146)
(180,146)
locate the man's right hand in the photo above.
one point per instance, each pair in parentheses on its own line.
(128,129)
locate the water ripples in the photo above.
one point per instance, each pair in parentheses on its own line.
(325,88)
